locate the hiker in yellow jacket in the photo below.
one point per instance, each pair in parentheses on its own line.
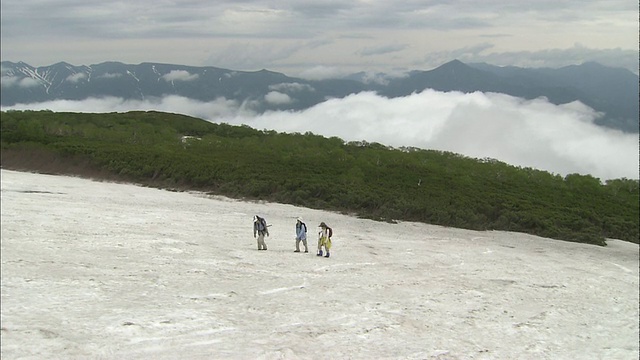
(324,239)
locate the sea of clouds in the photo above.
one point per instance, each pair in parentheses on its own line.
(561,139)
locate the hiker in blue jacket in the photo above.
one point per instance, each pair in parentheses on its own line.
(301,235)
(261,229)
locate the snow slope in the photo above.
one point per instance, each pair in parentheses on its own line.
(94,270)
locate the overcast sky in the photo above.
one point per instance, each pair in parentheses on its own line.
(321,38)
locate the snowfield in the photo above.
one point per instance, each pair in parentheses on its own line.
(96,270)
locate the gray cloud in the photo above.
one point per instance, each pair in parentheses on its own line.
(381,50)
(535,133)
(242,55)
(94,18)
(279,34)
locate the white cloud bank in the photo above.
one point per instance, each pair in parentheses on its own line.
(538,134)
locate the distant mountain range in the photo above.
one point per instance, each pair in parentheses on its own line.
(612,91)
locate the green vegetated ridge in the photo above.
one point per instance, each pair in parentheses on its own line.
(365,179)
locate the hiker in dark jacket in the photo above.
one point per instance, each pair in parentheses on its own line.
(301,235)
(260,228)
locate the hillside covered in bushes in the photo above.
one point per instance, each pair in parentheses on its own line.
(365,179)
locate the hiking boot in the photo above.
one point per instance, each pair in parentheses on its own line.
(327,255)
(320,253)
(296,250)
(306,251)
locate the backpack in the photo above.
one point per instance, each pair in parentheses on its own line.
(262,224)
(305,227)
(330,231)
